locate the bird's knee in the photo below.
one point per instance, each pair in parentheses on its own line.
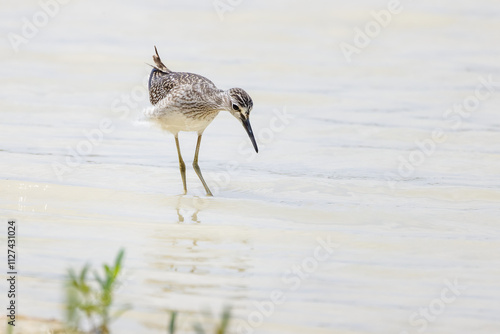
(182,167)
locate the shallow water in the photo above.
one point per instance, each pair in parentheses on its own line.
(339,160)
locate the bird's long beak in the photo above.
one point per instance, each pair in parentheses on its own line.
(248,128)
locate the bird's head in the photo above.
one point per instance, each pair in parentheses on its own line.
(240,106)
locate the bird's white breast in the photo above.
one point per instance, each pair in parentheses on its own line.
(175,120)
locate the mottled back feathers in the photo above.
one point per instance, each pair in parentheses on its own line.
(164,83)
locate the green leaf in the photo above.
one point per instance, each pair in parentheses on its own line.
(226,316)
(83,273)
(171,327)
(118,262)
(107,271)
(99,279)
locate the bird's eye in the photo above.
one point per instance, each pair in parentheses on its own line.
(235,107)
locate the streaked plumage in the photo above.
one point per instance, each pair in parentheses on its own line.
(189,102)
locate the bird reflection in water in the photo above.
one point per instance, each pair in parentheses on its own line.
(189,209)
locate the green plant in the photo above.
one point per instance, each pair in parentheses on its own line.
(221,328)
(92,300)
(171,326)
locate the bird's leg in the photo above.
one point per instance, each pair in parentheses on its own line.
(197,168)
(182,166)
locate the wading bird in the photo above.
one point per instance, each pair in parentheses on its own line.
(189,102)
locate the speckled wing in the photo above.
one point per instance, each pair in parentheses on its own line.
(162,84)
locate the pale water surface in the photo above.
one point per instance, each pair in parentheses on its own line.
(332,169)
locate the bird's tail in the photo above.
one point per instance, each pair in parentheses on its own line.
(158,63)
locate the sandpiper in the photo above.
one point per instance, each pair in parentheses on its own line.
(189,102)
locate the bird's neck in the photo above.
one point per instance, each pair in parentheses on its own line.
(224,100)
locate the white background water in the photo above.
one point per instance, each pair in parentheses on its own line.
(345,165)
